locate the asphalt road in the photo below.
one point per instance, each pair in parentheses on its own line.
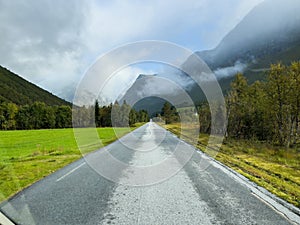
(77,194)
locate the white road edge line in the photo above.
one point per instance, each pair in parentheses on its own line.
(274,208)
(4,220)
(67,174)
(256,189)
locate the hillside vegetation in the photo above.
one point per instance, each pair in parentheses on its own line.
(15,89)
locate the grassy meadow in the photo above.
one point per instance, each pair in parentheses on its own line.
(27,156)
(275,168)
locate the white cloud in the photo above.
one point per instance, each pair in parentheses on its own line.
(231,70)
(120,82)
(51,43)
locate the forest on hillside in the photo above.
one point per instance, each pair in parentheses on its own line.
(15,89)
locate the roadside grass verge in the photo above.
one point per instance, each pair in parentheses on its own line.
(277,169)
(29,155)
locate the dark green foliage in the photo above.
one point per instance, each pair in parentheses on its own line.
(40,116)
(8,113)
(105,116)
(63,117)
(169,113)
(34,116)
(16,90)
(142,116)
(97,114)
(205,118)
(24,118)
(118,115)
(133,117)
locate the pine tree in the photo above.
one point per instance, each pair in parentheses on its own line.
(97,114)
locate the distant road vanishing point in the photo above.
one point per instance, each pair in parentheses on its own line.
(77,194)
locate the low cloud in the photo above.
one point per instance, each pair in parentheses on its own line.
(238,67)
(120,82)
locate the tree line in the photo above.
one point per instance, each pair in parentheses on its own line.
(265,110)
(38,115)
(108,115)
(118,115)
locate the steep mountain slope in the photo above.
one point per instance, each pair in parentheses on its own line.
(270,32)
(150,92)
(15,89)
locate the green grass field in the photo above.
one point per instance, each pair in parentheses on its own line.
(275,168)
(28,156)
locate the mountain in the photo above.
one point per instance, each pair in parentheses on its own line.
(144,88)
(149,92)
(270,32)
(15,89)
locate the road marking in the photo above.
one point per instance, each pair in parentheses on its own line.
(4,220)
(285,211)
(67,174)
(274,208)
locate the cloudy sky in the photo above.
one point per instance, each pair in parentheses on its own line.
(52,42)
